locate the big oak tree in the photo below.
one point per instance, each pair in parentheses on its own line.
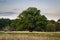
(31,19)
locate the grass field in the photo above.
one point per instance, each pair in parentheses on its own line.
(18,35)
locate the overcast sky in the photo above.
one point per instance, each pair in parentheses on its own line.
(12,8)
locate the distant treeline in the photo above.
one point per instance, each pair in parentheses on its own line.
(30,20)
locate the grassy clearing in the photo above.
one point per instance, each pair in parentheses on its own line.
(2,33)
(30,36)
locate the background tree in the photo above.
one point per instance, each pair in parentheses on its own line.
(52,21)
(4,23)
(51,27)
(58,25)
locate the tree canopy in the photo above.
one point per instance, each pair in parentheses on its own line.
(31,18)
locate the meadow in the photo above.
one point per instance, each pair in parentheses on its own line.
(25,35)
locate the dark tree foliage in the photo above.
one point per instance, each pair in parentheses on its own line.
(52,21)
(4,23)
(32,19)
(58,25)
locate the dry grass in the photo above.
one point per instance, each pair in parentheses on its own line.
(30,36)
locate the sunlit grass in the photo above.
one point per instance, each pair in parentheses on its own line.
(18,35)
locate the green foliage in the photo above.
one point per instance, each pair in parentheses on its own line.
(17,25)
(31,19)
(58,25)
(4,23)
(52,21)
(51,27)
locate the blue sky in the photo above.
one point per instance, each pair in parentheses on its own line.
(12,8)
